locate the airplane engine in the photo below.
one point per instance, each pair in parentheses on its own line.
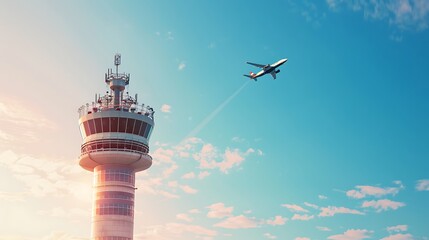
(277,71)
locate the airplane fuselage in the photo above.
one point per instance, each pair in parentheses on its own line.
(269,68)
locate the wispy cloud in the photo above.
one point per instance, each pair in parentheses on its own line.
(189,175)
(324,229)
(352,234)
(20,123)
(311,205)
(399,236)
(332,210)
(322,197)
(42,177)
(269,236)
(304,217)
(238,222)
(382,205)
(294,208)
(422,185)
(405,14)
(188,189)
(398,228)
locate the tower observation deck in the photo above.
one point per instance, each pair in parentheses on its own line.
(115,131)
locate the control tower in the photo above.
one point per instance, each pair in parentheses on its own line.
(115,131)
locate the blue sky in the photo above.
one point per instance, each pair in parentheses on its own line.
(335,148)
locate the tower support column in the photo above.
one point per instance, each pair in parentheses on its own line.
(113,204)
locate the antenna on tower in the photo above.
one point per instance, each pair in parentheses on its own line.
(117,61)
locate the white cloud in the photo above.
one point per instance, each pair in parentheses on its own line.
(405,14)
(399,236)
(269,236)
(218,210)
(184,217)
(423,185)
(237,222)
(382,205)
(181,66)
(364,191)
(209,157)
(398,228)
(165,108)
(332,210)
(294,208)
(304,217)
(352,234)
(311,205)
(324,229)
(278,220)
(322,197)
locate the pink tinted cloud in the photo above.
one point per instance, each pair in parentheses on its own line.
(237,222)
(352,234)
(184,217)
(188,189)
(399,236)
(218,210)
(364,191)
(278,220)
(332,210)
(189,175)
(165,108)
(382,205)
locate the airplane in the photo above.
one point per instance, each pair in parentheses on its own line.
(269,68)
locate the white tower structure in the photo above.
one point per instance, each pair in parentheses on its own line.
(115,132)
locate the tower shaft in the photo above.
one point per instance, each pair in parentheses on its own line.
(113,206)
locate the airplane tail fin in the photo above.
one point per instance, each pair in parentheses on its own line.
(251,76)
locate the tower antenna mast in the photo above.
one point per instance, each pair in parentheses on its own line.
(117,62)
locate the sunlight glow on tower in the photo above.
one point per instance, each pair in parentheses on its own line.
(115,132)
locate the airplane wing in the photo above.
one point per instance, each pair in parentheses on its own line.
(256,65)
(273,73)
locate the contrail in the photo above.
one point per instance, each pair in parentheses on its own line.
(213,114)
